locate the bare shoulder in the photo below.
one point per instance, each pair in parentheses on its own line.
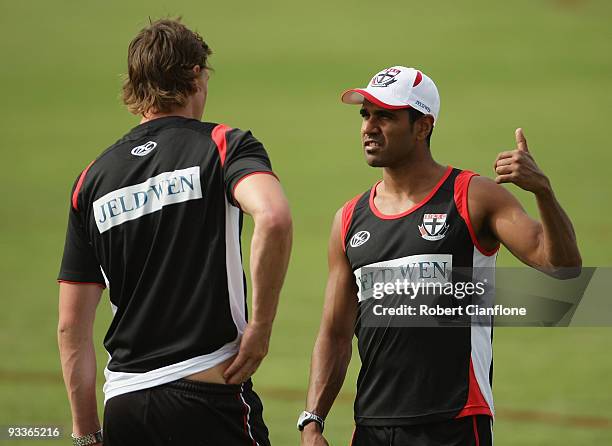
(488,200)
(486,195)
(338,215)
(335,236)
(342,221)
(336,225)
(482,186)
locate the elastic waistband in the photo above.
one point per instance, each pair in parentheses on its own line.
(188,385)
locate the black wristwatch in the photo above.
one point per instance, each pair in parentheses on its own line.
(87,440)
(309,417)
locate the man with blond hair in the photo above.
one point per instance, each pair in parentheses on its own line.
(157,218)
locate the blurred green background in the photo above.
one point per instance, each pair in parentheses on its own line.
(545,65)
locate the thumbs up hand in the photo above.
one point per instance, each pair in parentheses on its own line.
(518,167)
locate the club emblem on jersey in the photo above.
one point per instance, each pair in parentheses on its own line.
(434,227)
(144,149)
(385,78)
(359,238)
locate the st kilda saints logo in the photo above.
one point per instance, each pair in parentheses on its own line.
(359,238)
(385,78)
(434,227)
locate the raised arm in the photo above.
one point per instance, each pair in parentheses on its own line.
(262,197)
(332,350)
(548,245)
(77,309)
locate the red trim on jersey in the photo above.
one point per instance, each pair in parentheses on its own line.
(476,437)
(475,404)
(218,136)
(77,189)
(424,201)
(353,436)
(264,172)
(377,101)
(347,217)
(462,183)
(82,283)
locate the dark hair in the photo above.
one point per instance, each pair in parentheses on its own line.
(160,66)
(414,116)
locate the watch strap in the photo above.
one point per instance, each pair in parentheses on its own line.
(87,440)
(309,417)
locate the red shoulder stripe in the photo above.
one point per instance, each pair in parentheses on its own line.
(347,217)
(77,189)
(218,136)
(462,183)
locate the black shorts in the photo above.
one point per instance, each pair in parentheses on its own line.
(186,413)
(465,431)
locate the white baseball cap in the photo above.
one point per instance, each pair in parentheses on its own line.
(398,87)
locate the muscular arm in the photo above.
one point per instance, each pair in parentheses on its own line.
(77,308)
(332,351)
(548,245)
(262,197)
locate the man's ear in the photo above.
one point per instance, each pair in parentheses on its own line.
(197,71)
(424,127)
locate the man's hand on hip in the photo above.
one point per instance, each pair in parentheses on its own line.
(253,348)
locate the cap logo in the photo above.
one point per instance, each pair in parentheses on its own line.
(385,78)
(420,104)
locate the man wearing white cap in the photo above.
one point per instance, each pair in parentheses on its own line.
(422,385)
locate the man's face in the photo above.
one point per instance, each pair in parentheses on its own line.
(387,135)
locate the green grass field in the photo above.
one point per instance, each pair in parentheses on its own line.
(544,65)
